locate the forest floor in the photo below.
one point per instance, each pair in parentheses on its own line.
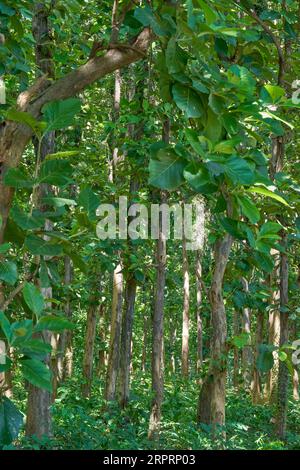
(87,424)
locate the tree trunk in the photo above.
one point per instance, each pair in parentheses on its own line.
(256,381)
(115,334)
(157,335)
(158,319)
(198,311)
(186,310)
(126,338)
(88,358)
(236,361)
(247,358)
(39,400)
(283,375)
(211,406)
(65,354)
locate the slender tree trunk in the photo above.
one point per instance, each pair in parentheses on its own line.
(65,354)
(126,339)
(158,320)
(247,358)
(115,335)
(88,357)
(186,310)
(236,361)
(39,400)
(198,311)
(256,389)
(211,406)
(283,375)
(295,367)
(145,342)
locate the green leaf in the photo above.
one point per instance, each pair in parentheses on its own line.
(249,209)
(54,323)
(199,179)
(4,247)
(8,272)
(266,192)
(16,178)
(209,13)
(24,118)
(36,348)
(271,94)
(5,326)
(166,170)
(27,221)
(176,58)
(11,420)
(239,171)
(187,100)
(6,10)
(57,172)
(39,246)
(37,373)
(60,114)
(265,360)
(33,298)
(89,201)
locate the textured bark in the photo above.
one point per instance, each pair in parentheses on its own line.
(211,405)
(274,336)
(126,339)
(256,389)
(157,370)
(115,335)
(186,310)
(88,357)
(65,349)
(247,356)
(39,400)
(236,359)
(157,336)
(198,311)
(145,342)
(283,375)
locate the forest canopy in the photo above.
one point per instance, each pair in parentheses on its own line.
(149,224)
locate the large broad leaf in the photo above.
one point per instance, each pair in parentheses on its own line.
(54,323)
(271,93)
(11,421)
(16,178)
(60,114)
(8,272)
(27,221)
(89,201)
(24,118)
(239,171)
(176,58)
(209,13)
(249,209)
(57,172)
(39,246)
(5,326)
(35,348)
(187,100)
(199,179)
(166,170)
(265,360)
(37,373)
(268,193)
(33,298)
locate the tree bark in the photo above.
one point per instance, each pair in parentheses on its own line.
(211,406)
(115,334)
(186,310)
(88,358)
(283,374)
(256,390)
(247,357)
